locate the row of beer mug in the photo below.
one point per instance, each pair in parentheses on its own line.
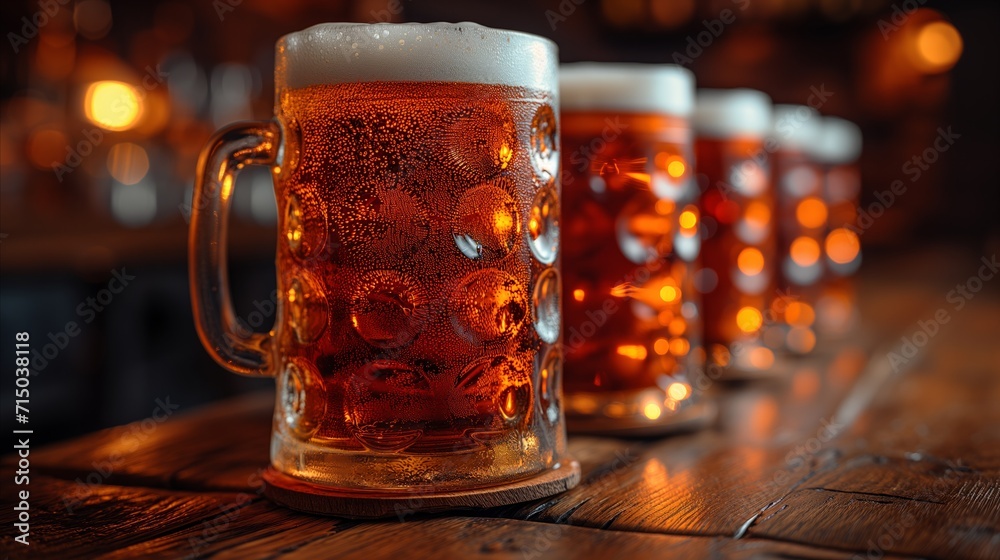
(475,244)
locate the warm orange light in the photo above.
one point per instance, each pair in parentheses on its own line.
(578,294)
(502,222)
(761,358)
(811,213)
(801,339)
(128,163)
(938,46)
(758,214)
(842,245)
(688,219)
(652,411)
(799,314)
(113,105)
(633,351)
(506,153)
(750,261)
(676,168)
(677,326)
(664,206)
(641,177)
(661,346)
(678,391)
(679,346)
(805,251)
(749,319)
(669,294)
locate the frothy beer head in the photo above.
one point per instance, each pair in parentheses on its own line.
(731,113)
(335,53)
(664,89)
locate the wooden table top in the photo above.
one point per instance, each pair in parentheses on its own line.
(844,458)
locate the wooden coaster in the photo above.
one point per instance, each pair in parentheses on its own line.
(354,504)
(694,417)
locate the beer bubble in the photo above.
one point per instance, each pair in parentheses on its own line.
(387,404)
(545,143)
(644,233)
(481,141)
(307,307)
(488,305)
(303,398)
(489,386)
(383,221)
(388,309)
(543,225)
(487,223)
(545,304)
(549,374)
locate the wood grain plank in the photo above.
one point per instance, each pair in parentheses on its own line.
(919,472)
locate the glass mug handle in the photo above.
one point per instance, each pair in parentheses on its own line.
(227,152)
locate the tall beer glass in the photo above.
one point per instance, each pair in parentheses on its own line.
(417,345)
(631,238)
(739,256)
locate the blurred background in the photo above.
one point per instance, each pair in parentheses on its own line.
(105,105)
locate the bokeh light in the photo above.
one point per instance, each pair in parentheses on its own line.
(128,163)
(113,105)
(805,251)
(749,319)
(811,213)
(750,261)
(842,245)
(938,46)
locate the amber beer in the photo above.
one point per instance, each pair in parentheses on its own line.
(416,260)
(739,256)
(802,214)
(419,343)
(837,150)
(631,236)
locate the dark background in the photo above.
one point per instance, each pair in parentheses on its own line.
(61,240)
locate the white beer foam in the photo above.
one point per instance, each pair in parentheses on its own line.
(796,128)
(334,53)
(653,88)
(839,141)
(728,113)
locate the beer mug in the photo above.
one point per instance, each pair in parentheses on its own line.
(740,245)
(633,323)
(417,344)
